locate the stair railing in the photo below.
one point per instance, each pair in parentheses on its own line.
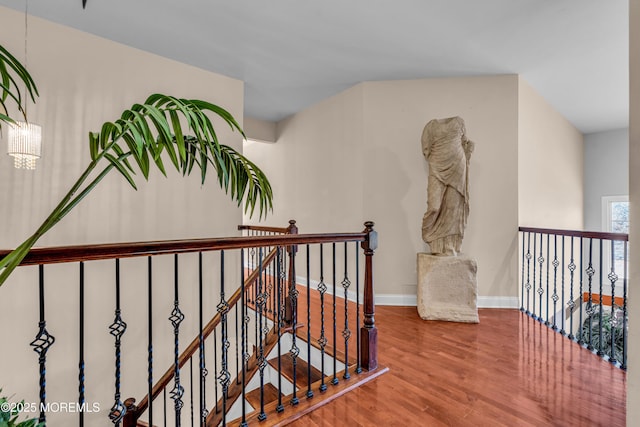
(575,282)
(268,318)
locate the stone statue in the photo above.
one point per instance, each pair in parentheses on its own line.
(447,150)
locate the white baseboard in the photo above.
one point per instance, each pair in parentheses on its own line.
(412,300)
(397,299)
(497,302)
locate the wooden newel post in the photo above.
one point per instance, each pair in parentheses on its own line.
(130,418)
(369,333)
(288,309)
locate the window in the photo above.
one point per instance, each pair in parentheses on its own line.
(615,218)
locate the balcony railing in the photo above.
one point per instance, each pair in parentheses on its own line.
(575,282)
(251,308)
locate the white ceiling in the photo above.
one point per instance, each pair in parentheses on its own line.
(293,53)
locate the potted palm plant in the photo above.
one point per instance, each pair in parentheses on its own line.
(163,132)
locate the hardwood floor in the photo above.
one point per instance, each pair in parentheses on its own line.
(509,370)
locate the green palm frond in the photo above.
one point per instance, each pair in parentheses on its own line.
(12,75)
(162,128)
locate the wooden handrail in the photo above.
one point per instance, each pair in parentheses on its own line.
(62,254)
(206,331)
(575,233)
(268,229)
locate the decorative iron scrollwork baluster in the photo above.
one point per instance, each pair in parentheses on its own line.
(176,319)
(225,377)
(571,303)
(625,282)
(555,296)
(533,283)
(281,276)
(590,311)
(293,297)
(309,391)
(527,285)
(600,351)
(261,306)
(117,329)
(346,333)
(541,261)
(335,380)
(548,319)
(322,341)
(203,367)
(41,344)
(243,333)
(613,278)
(564,317)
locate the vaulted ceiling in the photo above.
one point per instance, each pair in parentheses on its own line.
(293,53)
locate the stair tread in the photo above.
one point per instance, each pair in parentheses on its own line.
(270,395)
(301,370)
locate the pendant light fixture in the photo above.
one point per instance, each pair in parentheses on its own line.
(25,138)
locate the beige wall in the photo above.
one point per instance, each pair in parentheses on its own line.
(633,377)
(85,81)
(259,130)
(316,166)
(357,157)
(550,165)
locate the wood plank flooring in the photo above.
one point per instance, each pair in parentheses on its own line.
(509,370)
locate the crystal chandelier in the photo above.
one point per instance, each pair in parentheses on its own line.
(25,140)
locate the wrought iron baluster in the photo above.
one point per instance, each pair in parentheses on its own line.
(176,319)
(81,389)
(522,277)
(237,342)
(203,369)
(346,333)
(590,310)
(613,278)
(261,302)
(554,297)
(571,303)
(117,329)
(625,281)
(528,283)
(281,275)
(547,320)
(191,389)
(533,286)
(600,351)
(225,377)
(41,344)
(334,381)
(358,349)
(309,391)
(244,333)
(322,341)
(215,368)
(150,338)
(581,298)
(164,405)
(293,297)
(564,317)
(541,261)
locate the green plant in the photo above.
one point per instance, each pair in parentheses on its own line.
(10,70)
(612,327)
(9,414)
(143,136)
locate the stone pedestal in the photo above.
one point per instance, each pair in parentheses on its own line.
(447,288)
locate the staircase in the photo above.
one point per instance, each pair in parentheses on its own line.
(287,371)
(279,322)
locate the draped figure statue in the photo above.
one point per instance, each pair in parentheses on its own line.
(447,150)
